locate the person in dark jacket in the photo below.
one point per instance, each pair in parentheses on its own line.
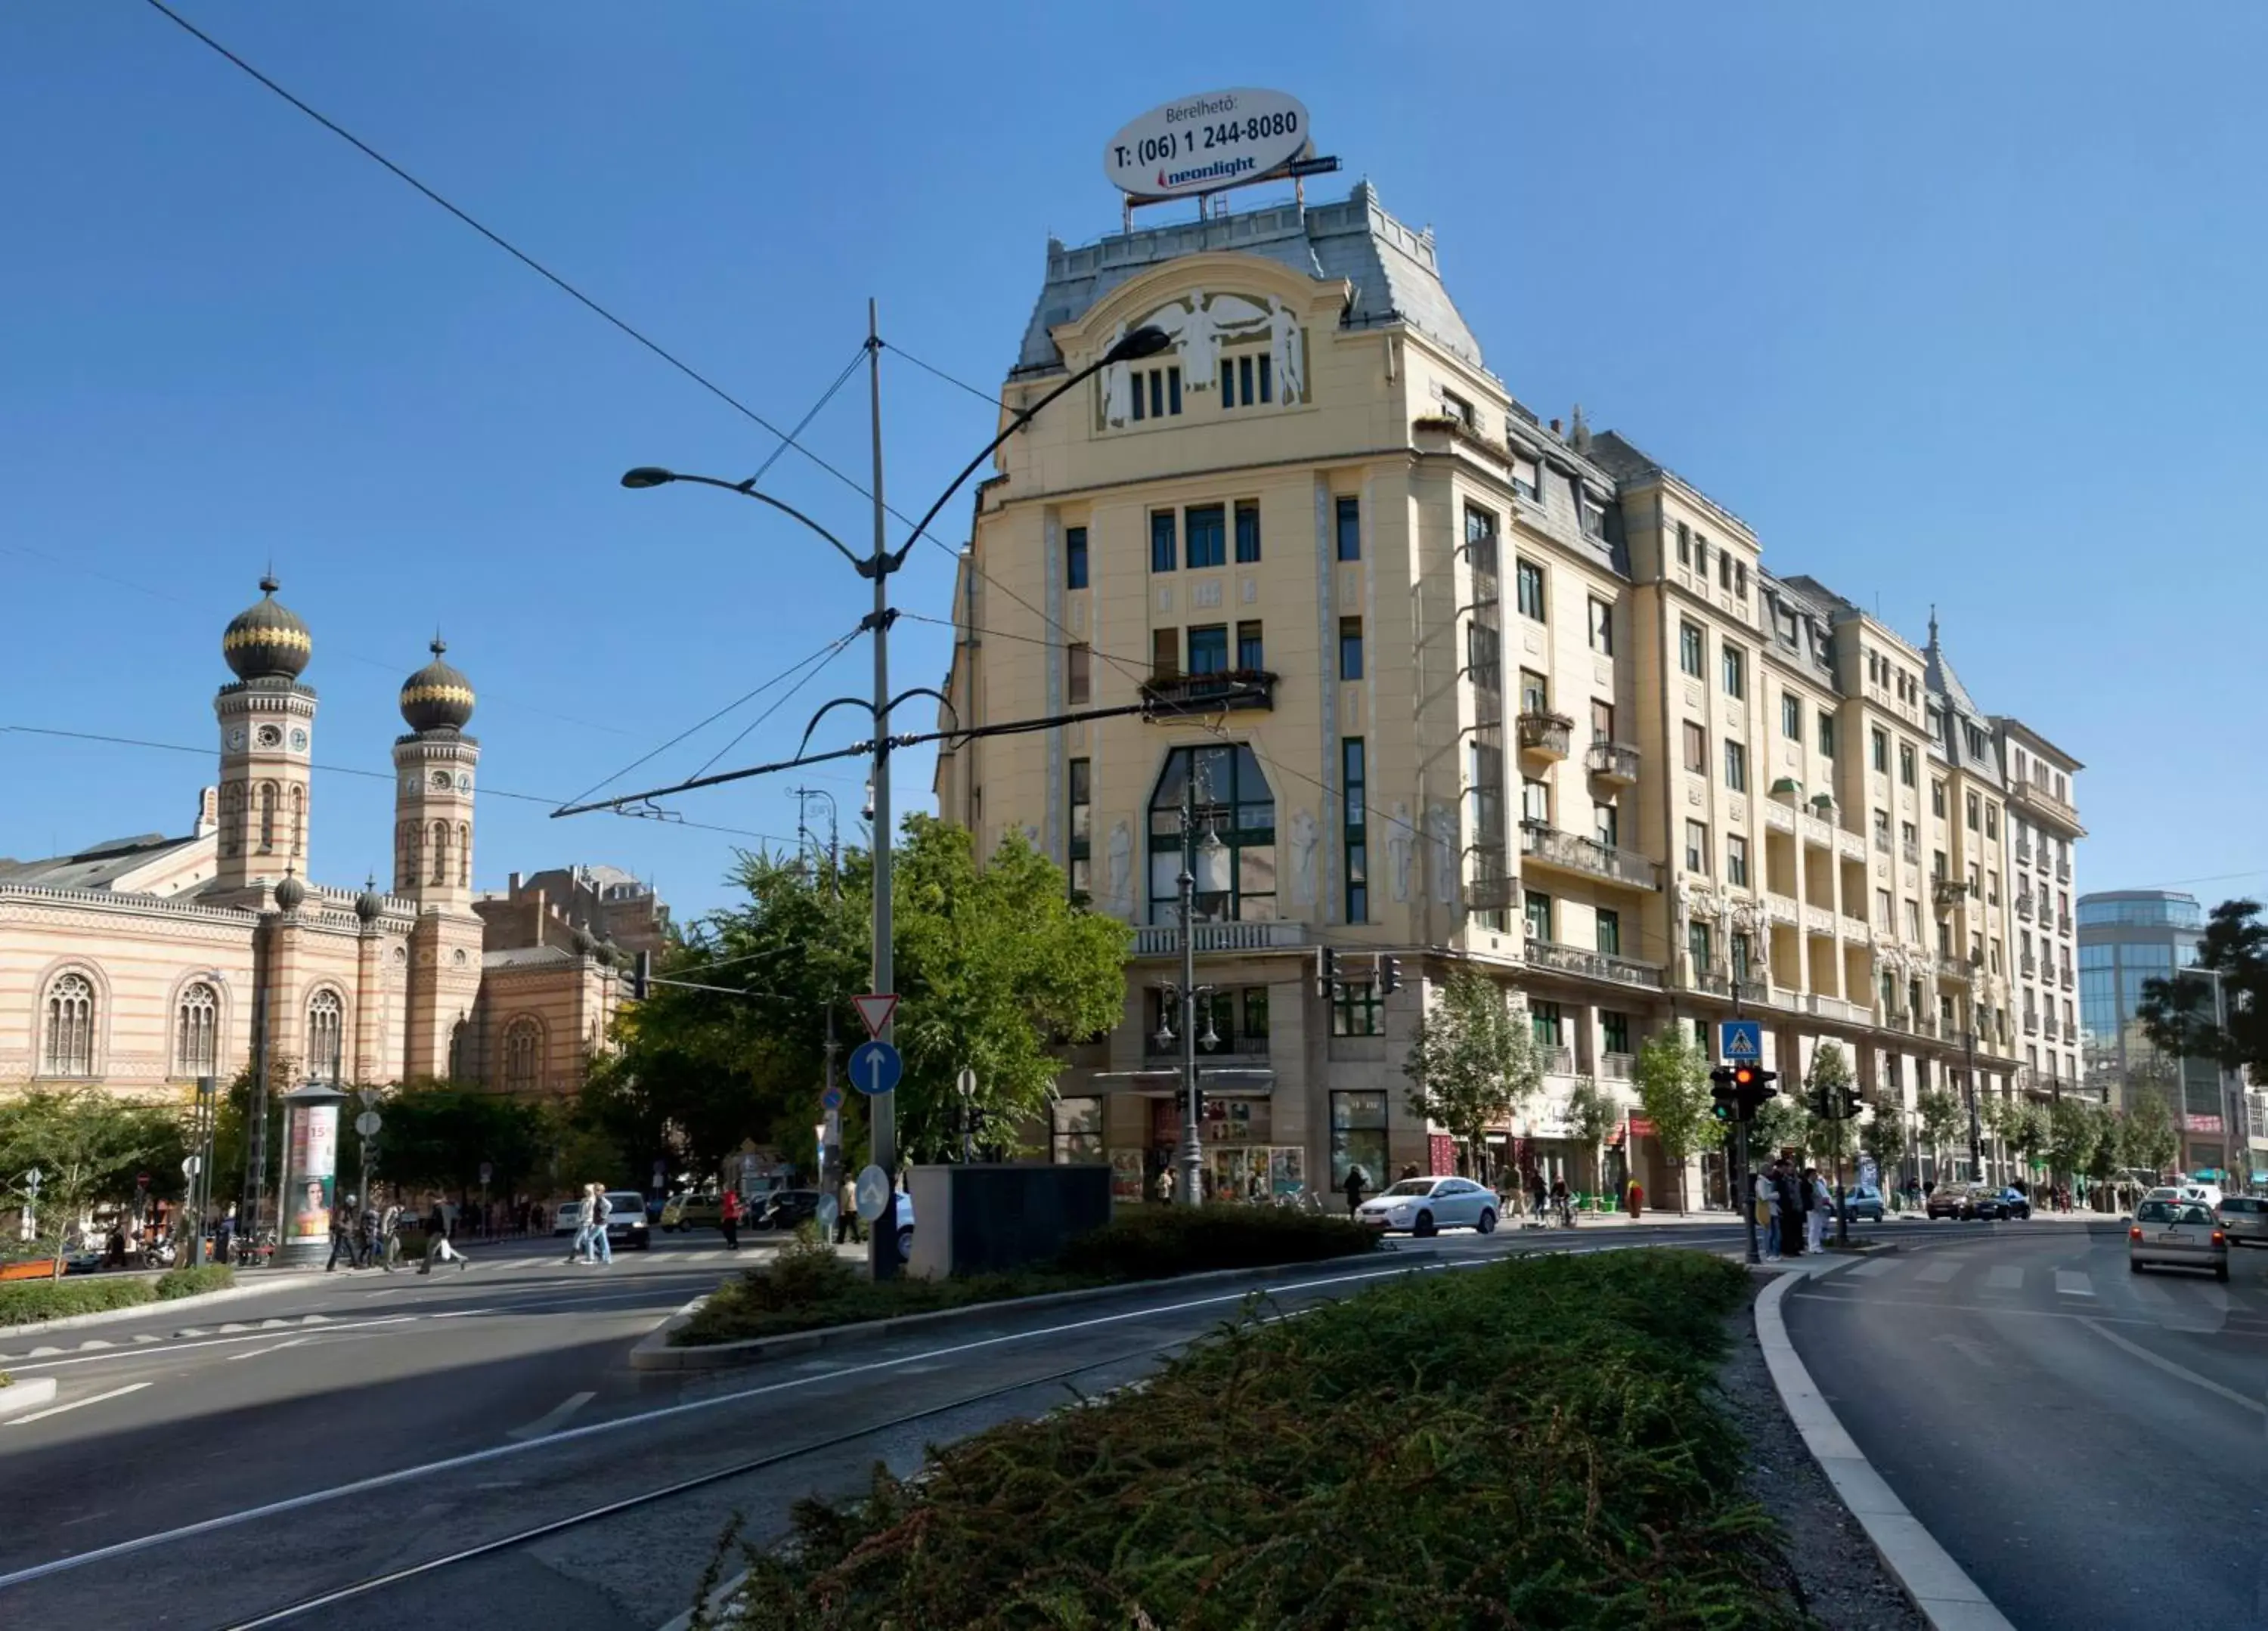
(1792,1209)
(344,1242)
(1353,1190)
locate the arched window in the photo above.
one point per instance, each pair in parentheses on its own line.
(464,855)
(67,1047)
(267,816)
(523,1055)
(325,1030)
(196,1032)
(1236,882)
(405,863)
(298,821)
(457,1038)
(440,852)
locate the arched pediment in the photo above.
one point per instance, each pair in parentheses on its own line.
(1234,293)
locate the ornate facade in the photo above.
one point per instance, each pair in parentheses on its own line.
(138,964)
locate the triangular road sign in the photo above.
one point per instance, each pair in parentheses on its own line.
(875,1010)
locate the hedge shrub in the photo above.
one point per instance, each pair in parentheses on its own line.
(26,1302)
(194,1281)
(1151,1242)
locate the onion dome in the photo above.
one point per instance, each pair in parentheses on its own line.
(437,697)
(291,893)
(369,905)
(267,640)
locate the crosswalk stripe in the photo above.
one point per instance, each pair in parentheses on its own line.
(1938,1270)
(2005,1277)
(2149,1291)
(1876,1266)
(2074,1282)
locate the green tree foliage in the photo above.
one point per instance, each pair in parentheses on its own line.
(2177,1013)
(2016,1122)
(1672,1076)
(1943,1119)
(2148,1137)
(1831,1070)
(2074,1131)
(2110,1157)
(90,1146)
(1472,1061)
(1592,1114)
(1781,1124)
(434,1135)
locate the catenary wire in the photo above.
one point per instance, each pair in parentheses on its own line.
(928,368)
(778,702)
(804,424)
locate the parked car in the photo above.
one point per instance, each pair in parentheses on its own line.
(1862,1203)
(626,1224)
(785,1208)
(688,1211)
(567,1217)
(1954,1201)
(2177,1234)
(2243,1219)
(1996,1203)
(1422,1206)
(2207,1195)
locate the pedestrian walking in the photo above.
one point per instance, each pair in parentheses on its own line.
(846,1212)
(343,1239)
(1791,1209)
(596,1211)
(1539,1197)
(439,1247)
(1767,1203)
(389,1236)
(224,1235)
(728,1219)
(1354,1187)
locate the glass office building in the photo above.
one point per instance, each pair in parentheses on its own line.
(2127,936)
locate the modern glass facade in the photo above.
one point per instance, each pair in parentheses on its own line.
(2127,938)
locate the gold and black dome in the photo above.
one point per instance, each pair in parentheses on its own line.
(437,697)
(267,640)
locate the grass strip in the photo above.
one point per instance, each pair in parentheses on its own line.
(1534,1445)
(807,1286)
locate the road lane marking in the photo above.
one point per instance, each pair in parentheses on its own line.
(2162,1362)
(213,1341)
(76,1404)
(1937,1272)
(2005,1277)
(552,1420)
(2150,1291)
(2074,1282)
(254,1353)
(1875,1265)
(462,1313)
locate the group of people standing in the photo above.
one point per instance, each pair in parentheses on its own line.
(369,1236)
(1792,1209)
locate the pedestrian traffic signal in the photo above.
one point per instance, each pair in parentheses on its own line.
(1389,974)
(641,976)
(1327,972)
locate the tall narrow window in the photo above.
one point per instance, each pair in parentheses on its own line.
(1163,549)
(1075,557)
(1251,656)
(267,816)
(1610,937)
(325,1029)
(440,852)
(196,1032)
(1689,649)
(1350,529)
(1208,536)
(1529,576)
(1696,748)
(1736,767)
(1247,531)
(67,1047)
(523,1055)
(1349,648)
(1975,811)
(464,855)
(1355,789)
(1209,649)
(1535,693)
(1165,653)
(1536,906)
(1235,809)
(1826,734)
(1603,721)
(1736,670)
(1079,663)
(1879,741)
(1603,627)
(1078,848)
(1906,763)
(1790,718)
(1697,848)
(1736,860)
(1684,545)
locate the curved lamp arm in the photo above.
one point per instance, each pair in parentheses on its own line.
(653,476)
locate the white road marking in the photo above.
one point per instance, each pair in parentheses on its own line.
(474,1458)
(1876,1266)
(254,1353)
(2005,1277)
(2074,1282)
(213,1341)
(2150,1291)
(2149,1358)
(76,1404)
(1937,1271)
(552,1420)
(462,1313)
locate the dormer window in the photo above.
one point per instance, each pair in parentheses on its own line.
(1455,407)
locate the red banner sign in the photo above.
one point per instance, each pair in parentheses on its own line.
(1641,1127)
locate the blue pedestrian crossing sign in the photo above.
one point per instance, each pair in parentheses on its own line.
(875,1067)
(1740,1042)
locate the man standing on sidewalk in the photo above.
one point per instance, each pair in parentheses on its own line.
(343,1241)
(1767,1205)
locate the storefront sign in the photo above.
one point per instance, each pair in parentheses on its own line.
(2201,1124)
(1201,143)
(1641,1127)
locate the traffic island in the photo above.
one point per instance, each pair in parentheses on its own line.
(1537,1442)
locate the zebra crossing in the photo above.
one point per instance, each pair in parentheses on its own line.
(1970,1279)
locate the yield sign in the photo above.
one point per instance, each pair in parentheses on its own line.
(875,1010)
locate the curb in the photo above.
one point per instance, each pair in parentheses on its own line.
(653,1351)
(28,1395)
(143,1311)
(1940,1587)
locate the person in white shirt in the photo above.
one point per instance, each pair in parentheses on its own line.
(1767,1203)
(1814,1215)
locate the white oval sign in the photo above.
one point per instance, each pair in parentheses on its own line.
(1203,142)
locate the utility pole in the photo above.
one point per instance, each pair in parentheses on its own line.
(1976,1137)
(802,795)
(1192,1161)
(255,1169)
(881,1108)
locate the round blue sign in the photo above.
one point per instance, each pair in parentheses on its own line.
(876,1067)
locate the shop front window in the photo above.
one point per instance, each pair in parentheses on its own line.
(1358,1139)
(1235,828)
(1075,1134)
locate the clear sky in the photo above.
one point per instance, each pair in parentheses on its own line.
(1954,303)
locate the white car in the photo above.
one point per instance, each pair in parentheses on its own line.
(2207,1195)
(1422,1206)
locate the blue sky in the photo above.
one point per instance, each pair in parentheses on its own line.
(1949,306)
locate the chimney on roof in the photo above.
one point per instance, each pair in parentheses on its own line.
(1554,427)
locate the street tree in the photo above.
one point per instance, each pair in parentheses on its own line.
(1592,1114)
(1942,1118)
(1781,1126)
(2075,1129)
(1672,1076)
(91,1148)
(1830,1074)
(2108,1161)
(1472,1061)
(2177,1013)
(2150,1141)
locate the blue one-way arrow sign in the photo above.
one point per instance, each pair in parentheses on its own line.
(1740,1042)
(875,1067)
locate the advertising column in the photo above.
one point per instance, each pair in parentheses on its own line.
(311,1144)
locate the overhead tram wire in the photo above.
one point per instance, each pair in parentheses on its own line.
(484,791)
(928,368)
(777,703)
(804,424)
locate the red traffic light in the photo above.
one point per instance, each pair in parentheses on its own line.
(1744,1076)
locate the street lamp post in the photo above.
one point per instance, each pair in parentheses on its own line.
(1185,997)
(877,566)
(1975,1135)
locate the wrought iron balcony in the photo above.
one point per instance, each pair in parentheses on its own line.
(2066,977)
(2063,921)
(1548,845)
(1946,893)
(2029,964)
(1236,690)
(1612,761)
(2048,1027)
(2024,905)
(1489,889)
(1547,736)
(1569,960)
(2036,794)
(2031,1023)
(2024,851)
(1719,983)
(2062,869)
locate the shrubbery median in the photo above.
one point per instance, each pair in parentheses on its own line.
(807,1286)
(1531,1444)
(29,1302)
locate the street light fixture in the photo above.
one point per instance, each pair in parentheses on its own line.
(1147,341)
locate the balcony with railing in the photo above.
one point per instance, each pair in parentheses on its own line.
(1946,893)
(1571,959)
(1835,1008)
(2062,869)
(1548,845)
(1233,690)
(2031,1023)
(1545,736)
(2041,798)
(2024,904)
(1912,851)
(2029,965)
(1716,982)
(1556,1058)
(2024,851)
(2064,976)
(1896,1019)
(1164,939)
(1615,763)
(2063,921)
(1882,840)
(2048,1027)
(1617,1066)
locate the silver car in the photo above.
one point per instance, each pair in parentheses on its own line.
(2175,1234)
(2244,1220)
(1423,1205)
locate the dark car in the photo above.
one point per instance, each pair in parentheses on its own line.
(2009,1202)
(785,1208)
(1954,1201)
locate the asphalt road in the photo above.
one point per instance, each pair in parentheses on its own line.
(2091,1445)
(251,1470)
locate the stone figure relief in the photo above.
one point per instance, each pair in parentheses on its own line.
(1289,348)
(1200,337)
(1399,847)
(1118,387)
(1304,835)
(1121,871)
(1441,852)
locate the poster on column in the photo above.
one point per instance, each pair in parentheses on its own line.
(315,1165)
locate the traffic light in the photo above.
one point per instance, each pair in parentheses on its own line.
(641,976)
(1752,1084)
(1851,1104)
(1389,974)
(1817,1104)
(1722,1104)
(1182,1102)
(1327,972)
